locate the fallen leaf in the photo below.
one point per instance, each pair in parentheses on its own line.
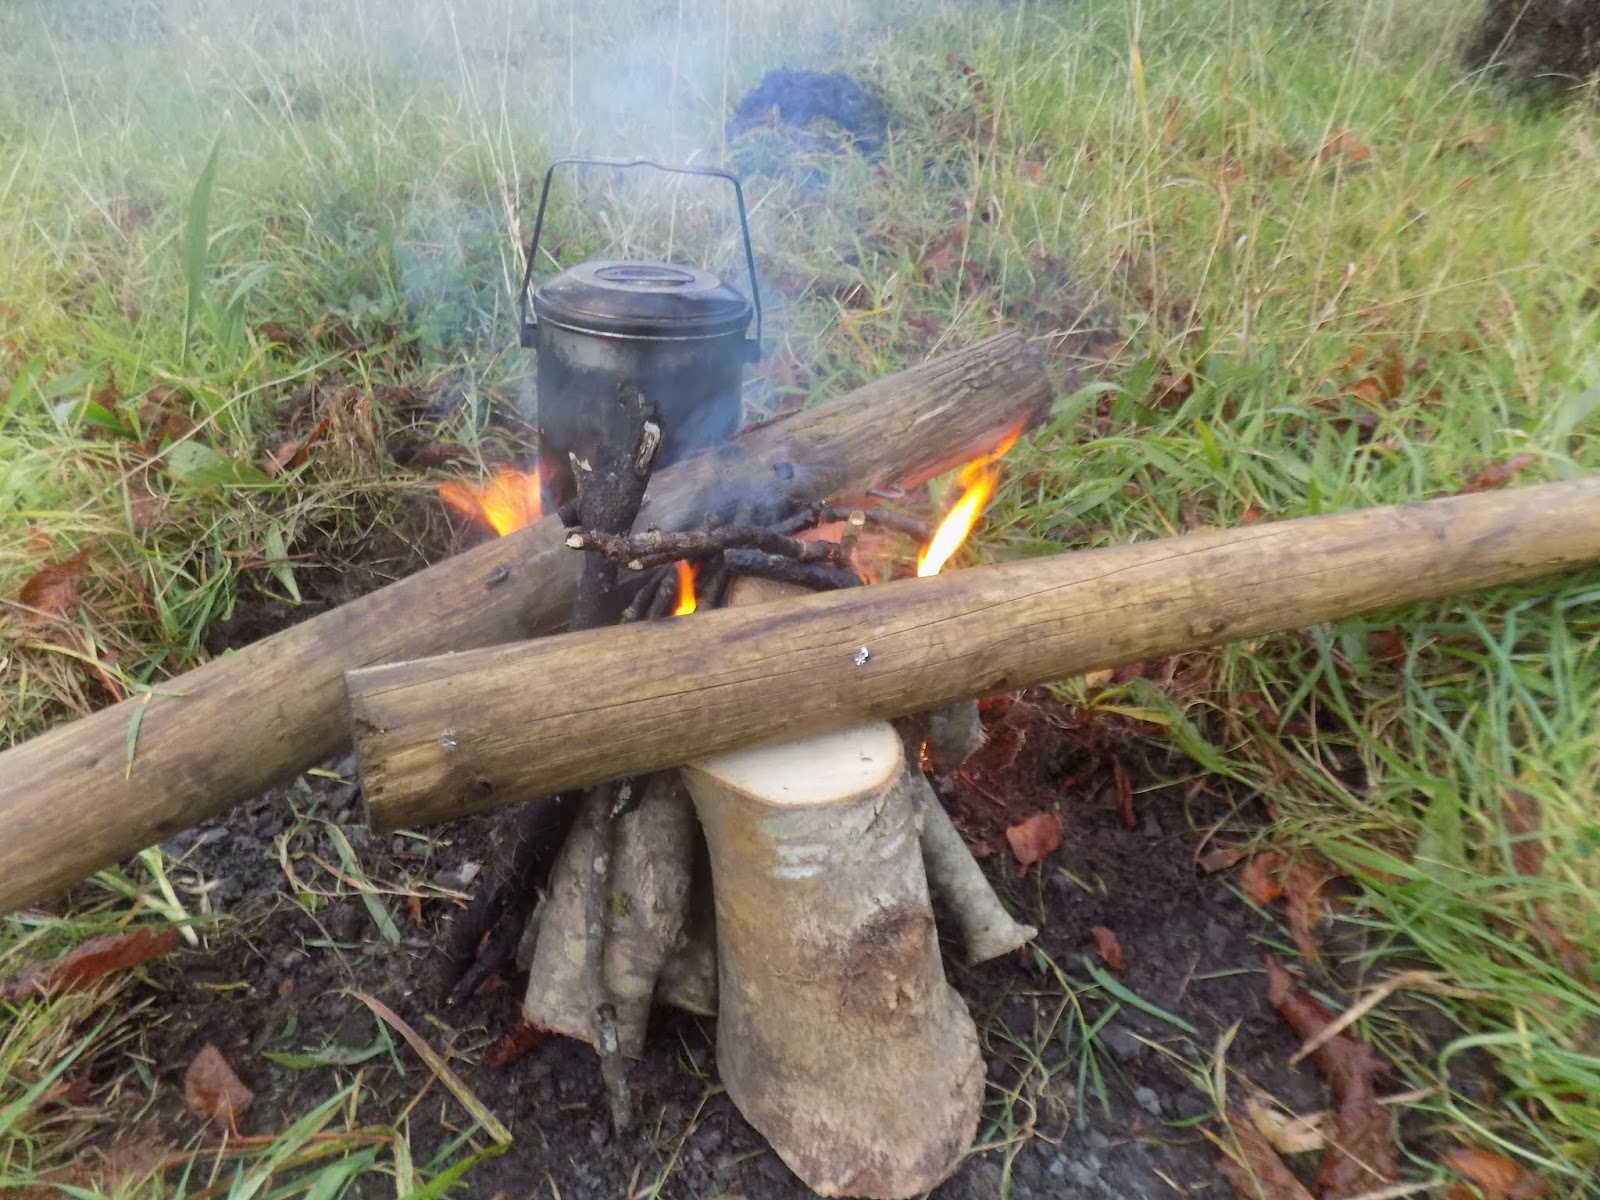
(1032,839)
(52,591)
(1170,391)
(1220,858)
(1108,948)
(1497,474)
(159,421)
(1361,1154)
(1496,1177)
(1388,646)
(93,960)
(1523,819)
(414,911)
(293,452)
(521,1038)
(1262,877)
(1346,145)
(1287,1133)
(214,1093)
(1254,1169)
(1303,904)
(1119,774)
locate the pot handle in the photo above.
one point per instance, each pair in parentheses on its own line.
(527,324)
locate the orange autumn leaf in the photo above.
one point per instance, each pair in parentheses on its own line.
(1262,877)
(1497,474)
(1496,1177)
(1032,839)
(1108,948)
(1303,904)
(414,911)
(93,960)
(518,1040)
(51,592)
(1346,145)
(214,1093)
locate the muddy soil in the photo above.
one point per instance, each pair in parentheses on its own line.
(1115,1117)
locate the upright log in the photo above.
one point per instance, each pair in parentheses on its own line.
(75,799)
(838,1036)
(572,709)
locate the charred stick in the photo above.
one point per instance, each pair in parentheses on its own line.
(853,525)
(818,577)
(715,588)
(615,798)
(812,515)
(667,597)
(643,602)
(656,546)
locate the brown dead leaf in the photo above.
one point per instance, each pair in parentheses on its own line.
(1262,877)
(214,1093)
(1303,903)
(1108,948)
(160,421)
(1523,819)
(1030,840)
(1254,1169)
(1220,858)
(51,592)
(518,1040)
(1497,474)
(92,961)
(1344,145)
(414,911)
(1496,1177)
(1170,391)
(1388,646)
(1361,1154)
(1391,372)
(293,452)
(1119,774)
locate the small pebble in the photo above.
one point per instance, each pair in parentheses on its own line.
(1148,1099)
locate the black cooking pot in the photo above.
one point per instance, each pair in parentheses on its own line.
(675,332)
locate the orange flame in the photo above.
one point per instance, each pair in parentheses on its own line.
(686,600)
(506,502)
(978,480)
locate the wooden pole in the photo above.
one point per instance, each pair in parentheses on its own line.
(75,799)
(570,710)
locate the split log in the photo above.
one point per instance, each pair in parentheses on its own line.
(572,709)
(838,1037)
(645,913)
(74,799)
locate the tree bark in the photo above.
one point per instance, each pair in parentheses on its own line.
(572,709)
(74,799)
(838,1037)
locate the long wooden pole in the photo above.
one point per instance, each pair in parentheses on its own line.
(74,799)
(441,737)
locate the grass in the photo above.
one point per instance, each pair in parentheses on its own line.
(1332,273)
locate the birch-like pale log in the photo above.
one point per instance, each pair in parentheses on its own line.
(441,737)
(838,1037)
(90,793)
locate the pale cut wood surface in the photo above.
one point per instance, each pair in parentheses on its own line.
(70,802)
(569,711)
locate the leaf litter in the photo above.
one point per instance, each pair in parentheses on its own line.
(214,1093)
(90,962)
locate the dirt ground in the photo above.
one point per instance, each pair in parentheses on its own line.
(279,981)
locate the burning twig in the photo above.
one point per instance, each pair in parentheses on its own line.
(657,547)
(818,577)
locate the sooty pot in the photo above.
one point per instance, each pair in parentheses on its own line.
(675,332)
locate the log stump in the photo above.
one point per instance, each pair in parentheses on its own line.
(838,1037)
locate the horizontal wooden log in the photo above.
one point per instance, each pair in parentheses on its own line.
(73,800)
(441,737)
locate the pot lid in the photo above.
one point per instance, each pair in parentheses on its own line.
(633,298)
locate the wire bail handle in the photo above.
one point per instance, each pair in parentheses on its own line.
(526,323)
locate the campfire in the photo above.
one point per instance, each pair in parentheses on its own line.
(717,812)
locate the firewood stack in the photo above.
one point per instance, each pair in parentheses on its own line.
(786,889)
